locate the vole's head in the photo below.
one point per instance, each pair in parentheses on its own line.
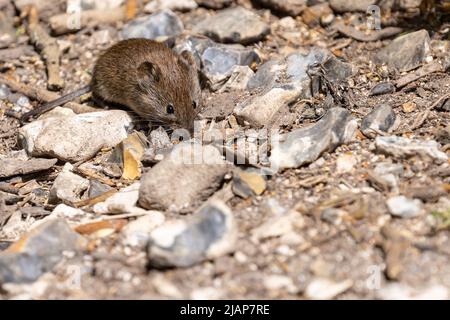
(169,91)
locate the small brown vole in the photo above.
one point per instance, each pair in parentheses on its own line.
(147,77)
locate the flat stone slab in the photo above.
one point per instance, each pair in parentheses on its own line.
(210,233)
(236,25)
(12,167)
(164,23)
(198,171)
(306,144)
(400,147)
(406,52)
(71,137)
(38,251)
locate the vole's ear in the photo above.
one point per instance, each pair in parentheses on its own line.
(149,70)
(188,57)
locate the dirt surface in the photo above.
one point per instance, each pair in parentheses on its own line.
(352,247)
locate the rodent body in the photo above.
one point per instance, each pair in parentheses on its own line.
(147,77)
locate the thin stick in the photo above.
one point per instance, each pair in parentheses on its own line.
(419,73)
(124,215)
(48,48)
(424,115)
(15,53)
(361,36)
(438,101)
(342,45)
(41,95)
(61,23)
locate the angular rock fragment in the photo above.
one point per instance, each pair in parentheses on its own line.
(382,88)
(278,225)
(210,233)
(166,287)
(402,207)
(346,163)
(180,5)
(278,282)
(247,184)
(400,147)
(214,4)
(399,291)
(21,103)
(335,69)
(409,107)
(406,52)
(132,149)
(29,187)
(381,119)
(324,289)
(11,167)
(290,7)
(67,186)
(34,212)
(99,4)
(100,37)
(312,15)
(206,293)
(73,137)
(238,80)
(67,212)
(123,201)
(97,188)
(159,139)
(217,61)
(351,5)
(198,171)
(38,251)
(4,91)
(15,226)
(333,215)
(160,145)
(9,198)
(155,26)
(389,173)
(306,144)
(236,25)
(279,83)
(137,233)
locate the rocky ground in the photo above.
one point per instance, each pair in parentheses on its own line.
(330,178)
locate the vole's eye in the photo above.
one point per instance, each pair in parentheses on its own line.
(194,104)
(170,109)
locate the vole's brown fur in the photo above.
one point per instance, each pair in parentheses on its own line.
(150,79)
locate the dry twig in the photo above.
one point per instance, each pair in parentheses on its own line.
(60,24)
(374,35)
(48,48)
(15,53)
(419,73)
(424,114)
(41,95)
